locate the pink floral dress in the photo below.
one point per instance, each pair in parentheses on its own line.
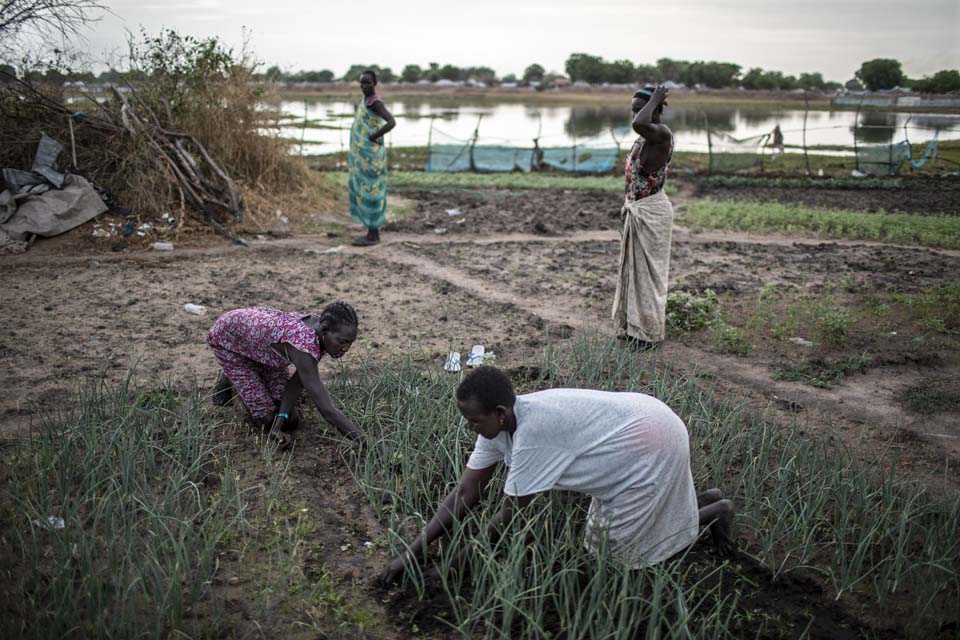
(242,341)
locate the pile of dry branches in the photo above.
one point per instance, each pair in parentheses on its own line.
(117,128)
(187,132)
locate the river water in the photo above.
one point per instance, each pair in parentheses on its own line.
(733,128)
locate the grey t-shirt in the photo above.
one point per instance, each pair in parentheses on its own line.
(629,451)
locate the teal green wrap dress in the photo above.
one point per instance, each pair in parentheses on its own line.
(367,162)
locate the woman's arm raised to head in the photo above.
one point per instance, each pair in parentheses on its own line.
(643,123)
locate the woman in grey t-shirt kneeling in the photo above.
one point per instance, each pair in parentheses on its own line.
(628,451)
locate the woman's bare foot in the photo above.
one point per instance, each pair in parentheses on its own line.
(223,391)
(372,238)
(636,344)
(708,497)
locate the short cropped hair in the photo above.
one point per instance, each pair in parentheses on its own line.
(490,386)
(371,73)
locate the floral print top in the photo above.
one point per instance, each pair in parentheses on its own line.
(640,184)
(251,332)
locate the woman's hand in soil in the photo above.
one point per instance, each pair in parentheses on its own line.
(394,571)
(282,440)
(356,437)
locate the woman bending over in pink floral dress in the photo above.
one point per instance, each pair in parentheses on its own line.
(255,348)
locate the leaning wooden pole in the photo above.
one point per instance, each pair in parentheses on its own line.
(806,111)
(856,123)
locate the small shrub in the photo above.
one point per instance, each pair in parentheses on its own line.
(831,324)
(688,311)
(730,339)
(938,308)
(823,372)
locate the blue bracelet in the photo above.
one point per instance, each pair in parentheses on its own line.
(283,415)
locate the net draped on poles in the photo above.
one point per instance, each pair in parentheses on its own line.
(729,154)
(449,155)
(886,159)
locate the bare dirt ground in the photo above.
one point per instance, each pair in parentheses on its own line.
(511,273)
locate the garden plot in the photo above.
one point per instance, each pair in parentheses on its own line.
(841,513)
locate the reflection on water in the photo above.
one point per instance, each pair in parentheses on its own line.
(875,127)
(518,124)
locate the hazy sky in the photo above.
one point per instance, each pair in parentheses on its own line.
(830,36)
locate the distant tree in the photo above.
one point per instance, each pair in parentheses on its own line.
(272,74)
(758,79)
(533,73)
(671,69)
(582,66)
(353,73)
(7,73)
(754,79)
(450,72)
(411,73)
(943,81)
(324,75)
(853,85)
(620,72)
(110,76)
(880,73)
(54,77)
(647,74)
(384,74)
(81,76)
(716,75)
(51,75)
(433,72)
(811,81)
(485,75)
(510,77)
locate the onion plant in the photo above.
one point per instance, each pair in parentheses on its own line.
(805,503)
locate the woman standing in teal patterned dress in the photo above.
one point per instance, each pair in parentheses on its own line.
(368,161)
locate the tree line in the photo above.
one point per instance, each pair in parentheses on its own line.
(875,75)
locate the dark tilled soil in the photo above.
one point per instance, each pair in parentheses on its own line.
(790,605)
(922,201)
(538,212)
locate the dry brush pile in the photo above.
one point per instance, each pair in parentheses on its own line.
(184,132)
